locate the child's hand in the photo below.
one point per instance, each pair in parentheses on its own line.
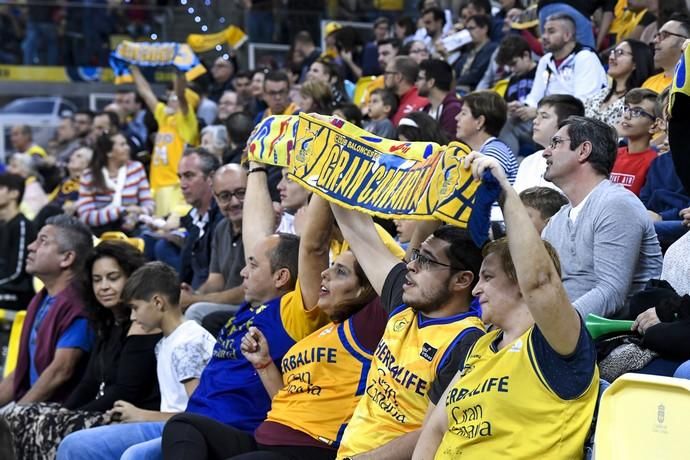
(125,412)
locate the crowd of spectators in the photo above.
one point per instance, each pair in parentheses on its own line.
(301,329)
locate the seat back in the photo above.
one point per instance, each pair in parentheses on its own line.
(119,236)
(642,417)
(13,345)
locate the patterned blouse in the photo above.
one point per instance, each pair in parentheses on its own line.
(611,114)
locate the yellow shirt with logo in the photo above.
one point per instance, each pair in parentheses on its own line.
(174,133)
(503,406)
(323,376)
(406,362)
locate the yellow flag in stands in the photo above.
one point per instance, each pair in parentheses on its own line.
(178,55)
(233,36)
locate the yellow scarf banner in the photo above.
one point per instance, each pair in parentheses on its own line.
(272,141)
(178,55)
(233,36)
(381,177)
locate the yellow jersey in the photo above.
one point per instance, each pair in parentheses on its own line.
(324,376)
(289,110)
(657,82)
(174,133)
(408,358)
(504,406)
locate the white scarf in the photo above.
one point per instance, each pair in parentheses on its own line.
(116,186)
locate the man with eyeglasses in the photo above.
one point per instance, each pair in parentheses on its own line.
(277,96)
(222,290)
(432,324)
(667,50)
(605,239)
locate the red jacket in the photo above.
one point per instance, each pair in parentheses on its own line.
(409,102)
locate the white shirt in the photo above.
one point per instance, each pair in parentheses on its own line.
(287,224)
(576,210)
(181,356)
(676,268)
(531,173)
(580,74)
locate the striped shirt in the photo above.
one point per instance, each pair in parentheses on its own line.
(94,206)
(497,149)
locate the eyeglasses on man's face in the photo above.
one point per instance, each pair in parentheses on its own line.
(663,35)
(425,262)
(226,195)
(556,141)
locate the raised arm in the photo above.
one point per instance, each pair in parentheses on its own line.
(144,89)
(374,257)
(180,85)
(258,220)
(539,282)
(313,249)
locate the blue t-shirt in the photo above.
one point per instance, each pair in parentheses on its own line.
(230,391)
(77,335)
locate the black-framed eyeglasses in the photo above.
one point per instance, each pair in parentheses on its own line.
(425,262)
(226,195)
(556,141)
(663,35)
(618,52)
(637,112)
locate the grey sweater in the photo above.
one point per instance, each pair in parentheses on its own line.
(609,253)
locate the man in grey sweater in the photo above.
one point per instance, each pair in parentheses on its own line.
(604,237)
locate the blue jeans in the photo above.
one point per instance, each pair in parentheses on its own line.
(660,366)
(161,250)
(668,231)
(584,34)
(126,441)
(683,371)
(40,35)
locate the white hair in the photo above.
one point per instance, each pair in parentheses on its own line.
(219,135)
